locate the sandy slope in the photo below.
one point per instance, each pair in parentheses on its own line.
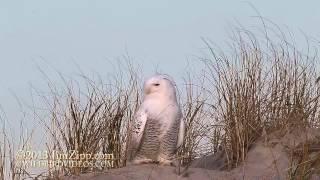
(267,159)
(153,171)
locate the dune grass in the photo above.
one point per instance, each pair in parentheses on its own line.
(265,85)
(89,116)
(11,166)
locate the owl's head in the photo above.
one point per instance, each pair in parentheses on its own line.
(160,84)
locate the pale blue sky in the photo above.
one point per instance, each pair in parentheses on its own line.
(158,33)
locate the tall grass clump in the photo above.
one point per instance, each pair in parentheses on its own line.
(90,116)
(265,84)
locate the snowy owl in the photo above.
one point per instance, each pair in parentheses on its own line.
(157,130)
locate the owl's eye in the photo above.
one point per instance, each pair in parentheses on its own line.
(157,84)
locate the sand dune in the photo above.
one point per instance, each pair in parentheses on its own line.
(267,159)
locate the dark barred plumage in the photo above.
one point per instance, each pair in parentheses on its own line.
(153,144)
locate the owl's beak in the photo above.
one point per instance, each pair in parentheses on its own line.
(147,91)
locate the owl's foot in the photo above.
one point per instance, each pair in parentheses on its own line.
(142,161)
(165,162)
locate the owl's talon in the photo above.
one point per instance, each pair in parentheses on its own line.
(142,161)
(165,162)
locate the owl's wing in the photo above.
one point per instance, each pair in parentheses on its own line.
(181,133)
(137,127)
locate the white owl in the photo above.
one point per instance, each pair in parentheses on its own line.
(158,129)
